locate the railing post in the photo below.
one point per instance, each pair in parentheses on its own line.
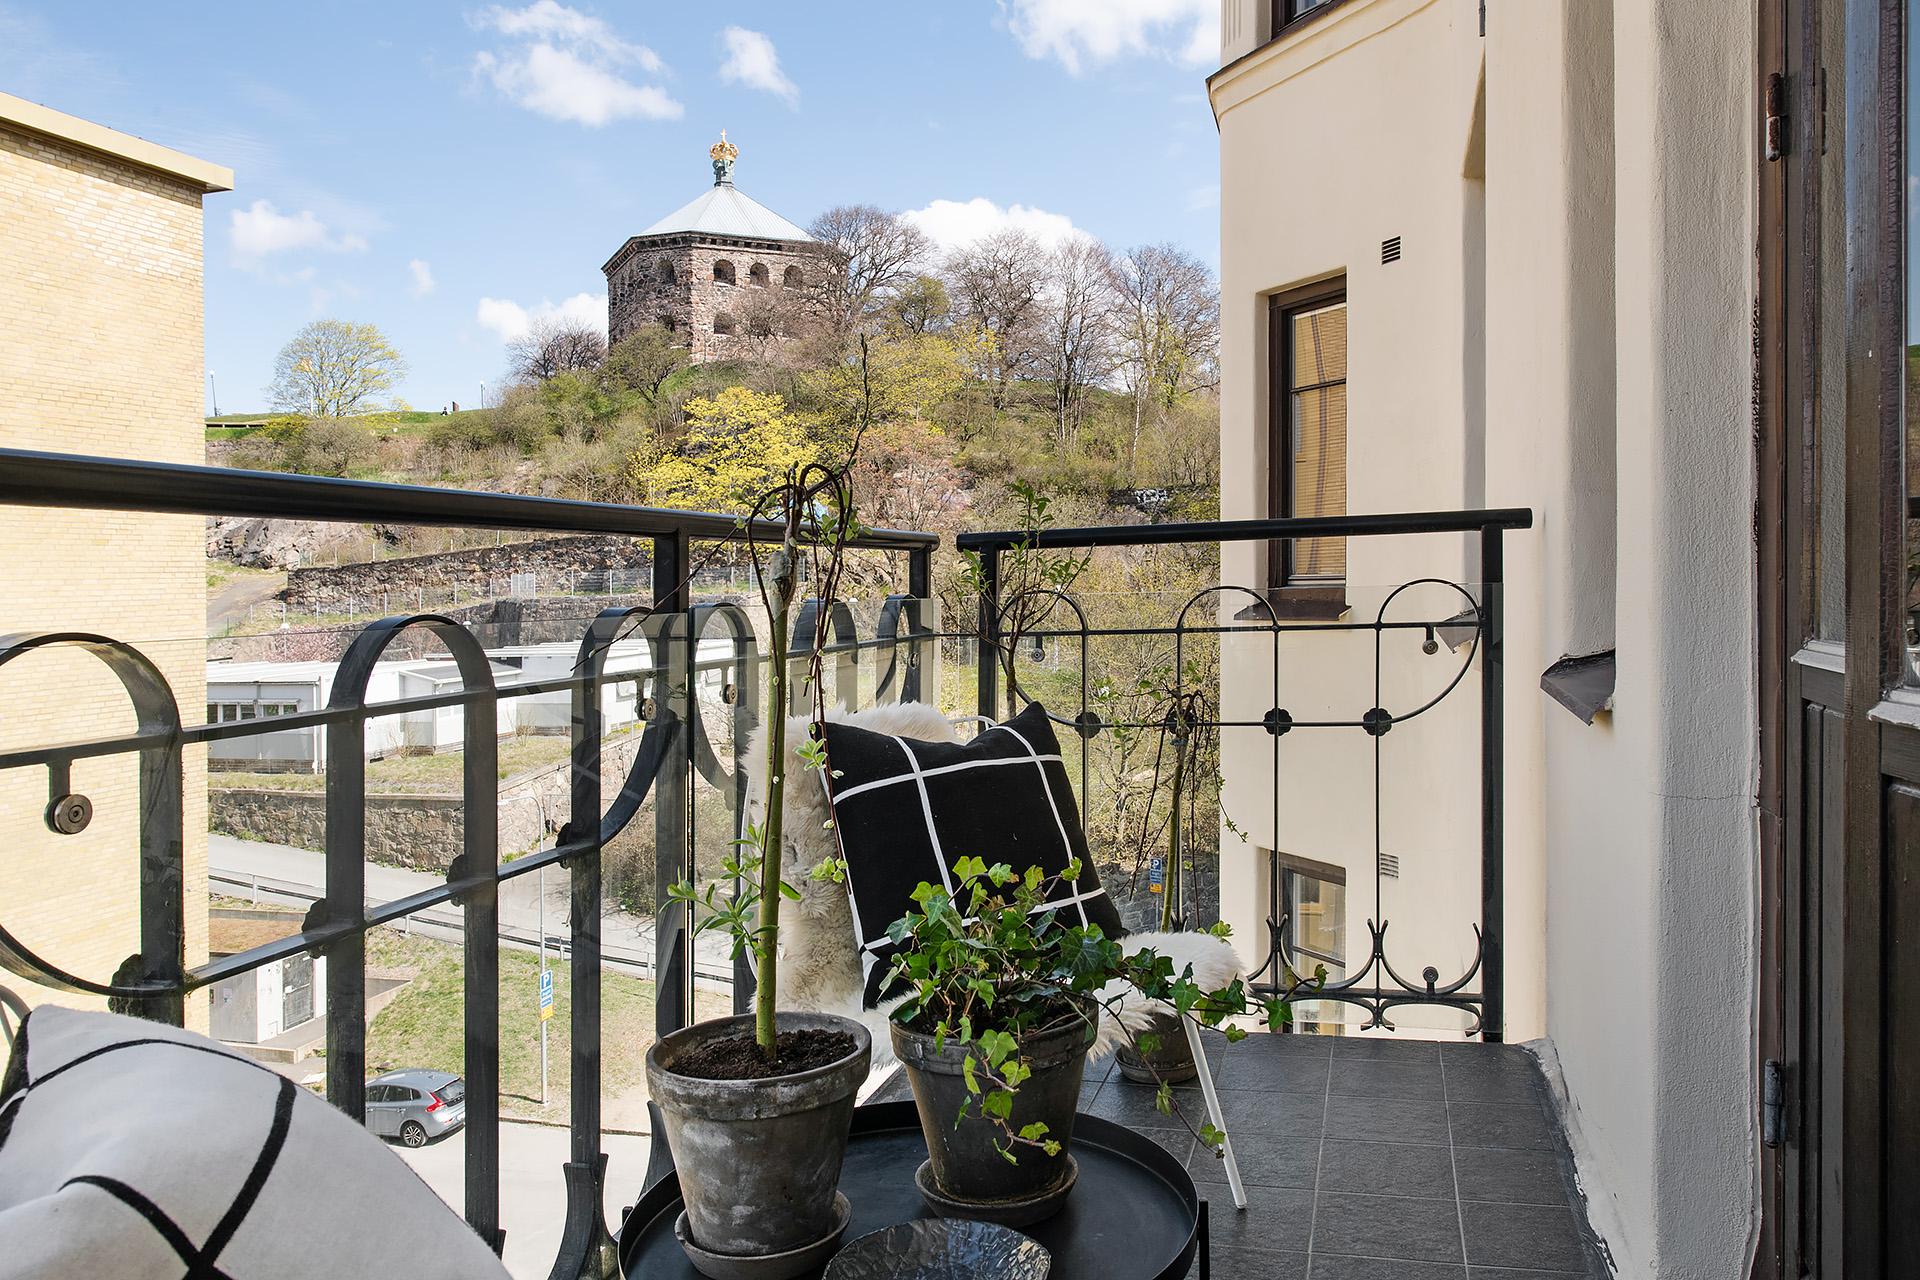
(989,646)
(346,903)
(671,657)
(1492,790)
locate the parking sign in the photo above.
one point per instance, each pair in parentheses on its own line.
(546,994)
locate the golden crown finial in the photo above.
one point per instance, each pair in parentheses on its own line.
(724,153)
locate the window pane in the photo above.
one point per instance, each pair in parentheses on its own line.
(1320,346)
(1318,421)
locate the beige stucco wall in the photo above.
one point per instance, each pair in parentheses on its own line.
(1318,168)
(1569,332)
(101,352)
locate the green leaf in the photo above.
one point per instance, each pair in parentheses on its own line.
(998,1104)
(966,1073)
(1037,1129)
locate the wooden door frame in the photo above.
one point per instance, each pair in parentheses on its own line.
(1874,728)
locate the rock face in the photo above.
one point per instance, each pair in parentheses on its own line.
(268,544)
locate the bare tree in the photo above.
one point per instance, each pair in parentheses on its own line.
(997,283)
(555,346)
(1168,325)
(871,254)
(1077,327)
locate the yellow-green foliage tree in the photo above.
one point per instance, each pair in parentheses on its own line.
(738,445)
(902,379)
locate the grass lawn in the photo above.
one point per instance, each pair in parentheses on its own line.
(425,1027)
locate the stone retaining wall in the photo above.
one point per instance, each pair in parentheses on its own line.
(429,580)
(413,830)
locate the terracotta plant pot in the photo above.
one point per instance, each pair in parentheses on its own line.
(759,1160)
(965,1175)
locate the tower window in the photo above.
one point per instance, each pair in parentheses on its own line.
(723,272)
(758,276)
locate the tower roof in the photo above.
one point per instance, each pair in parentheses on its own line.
(723,210)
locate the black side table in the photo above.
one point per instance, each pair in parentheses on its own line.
(1133,1214)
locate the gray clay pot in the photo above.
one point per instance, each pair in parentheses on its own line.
(759,1160)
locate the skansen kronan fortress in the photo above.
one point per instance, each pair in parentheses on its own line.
(713,270)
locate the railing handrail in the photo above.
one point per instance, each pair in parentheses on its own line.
(1114,535)
(33,478)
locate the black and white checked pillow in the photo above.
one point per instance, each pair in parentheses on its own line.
(907,810)
(131,1149)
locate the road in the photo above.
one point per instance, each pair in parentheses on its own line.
(294,877)
(235,601)
(533,1196)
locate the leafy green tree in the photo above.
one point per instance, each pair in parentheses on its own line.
(334,368)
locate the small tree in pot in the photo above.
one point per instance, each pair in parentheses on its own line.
(757,1107)
(1004,1000)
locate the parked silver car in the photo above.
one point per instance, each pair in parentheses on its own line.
(416,1106)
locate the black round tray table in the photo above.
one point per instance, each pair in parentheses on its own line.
(1133,1214)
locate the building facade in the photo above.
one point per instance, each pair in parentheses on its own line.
(1523,277)
(724,273)
(101,352)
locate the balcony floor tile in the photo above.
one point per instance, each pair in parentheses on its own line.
(1375,1158)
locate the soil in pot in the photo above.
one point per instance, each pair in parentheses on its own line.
(758,1151)
(739,1058)
(965,1172)
(1170,1063)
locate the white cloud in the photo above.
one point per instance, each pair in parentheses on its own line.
(261,230)
(753,62)
(952,224)
(510,321)
(568,65)
(550,20)
(420,274)
(1080,31)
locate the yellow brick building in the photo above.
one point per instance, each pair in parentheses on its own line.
(101,352)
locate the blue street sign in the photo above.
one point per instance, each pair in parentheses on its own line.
(546,994)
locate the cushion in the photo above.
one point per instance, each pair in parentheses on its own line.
(133,1149)
(907,810)
(819,960)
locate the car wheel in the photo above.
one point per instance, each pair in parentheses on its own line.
(413,1134)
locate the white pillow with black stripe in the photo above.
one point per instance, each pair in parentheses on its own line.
(132,1149)
(907,810)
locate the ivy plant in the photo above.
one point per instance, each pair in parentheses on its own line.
(990,964)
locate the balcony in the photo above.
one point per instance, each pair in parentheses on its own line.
(1409,1141)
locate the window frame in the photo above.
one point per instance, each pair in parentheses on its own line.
(1290,596)
(1283,15)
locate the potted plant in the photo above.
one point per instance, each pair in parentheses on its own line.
(1160,1053)
(757,1107)
(1003,1002)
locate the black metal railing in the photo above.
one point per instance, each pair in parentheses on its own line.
(698,693)
(156,980)
(1477,627)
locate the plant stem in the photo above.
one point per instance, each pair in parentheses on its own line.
(1170,886)
(766,946)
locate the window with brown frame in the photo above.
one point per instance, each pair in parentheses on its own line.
(1307,371)
(1285,11)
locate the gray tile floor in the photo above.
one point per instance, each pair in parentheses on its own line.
(1370,1159)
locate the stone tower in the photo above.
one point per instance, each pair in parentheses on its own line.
(720,272)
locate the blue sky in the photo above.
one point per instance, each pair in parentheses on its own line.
(444,170)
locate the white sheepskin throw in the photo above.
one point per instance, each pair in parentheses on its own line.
(1215,964)
(819,960)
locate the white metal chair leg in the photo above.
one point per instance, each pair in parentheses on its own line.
(1213,1112)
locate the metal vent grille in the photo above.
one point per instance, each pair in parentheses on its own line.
(1390,250)
(1390,865)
